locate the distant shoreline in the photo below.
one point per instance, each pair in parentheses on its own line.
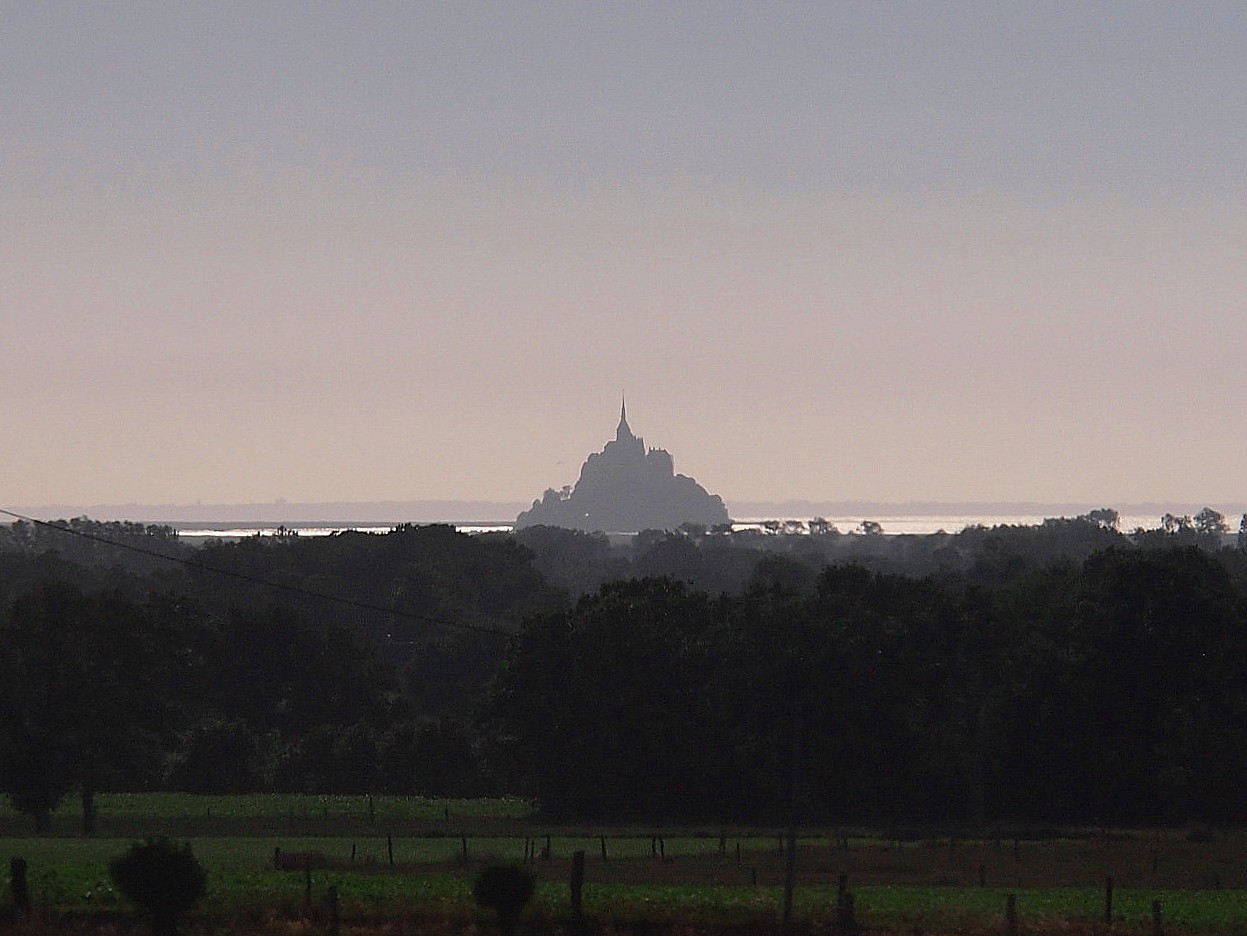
(489,513)
(274,513)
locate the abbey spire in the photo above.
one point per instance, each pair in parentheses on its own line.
(624,431)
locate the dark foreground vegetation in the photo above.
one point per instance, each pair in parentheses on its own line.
(398,865)
(1063,674)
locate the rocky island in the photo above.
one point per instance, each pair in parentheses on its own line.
(626,488)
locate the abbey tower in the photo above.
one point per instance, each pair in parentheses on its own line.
(626,488)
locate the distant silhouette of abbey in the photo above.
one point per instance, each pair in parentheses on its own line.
(625,489)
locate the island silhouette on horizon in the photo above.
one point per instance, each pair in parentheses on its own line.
(626,488)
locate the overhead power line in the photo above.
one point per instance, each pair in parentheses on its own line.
(259,580)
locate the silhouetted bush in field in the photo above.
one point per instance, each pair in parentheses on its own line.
(162,878)
(504,889)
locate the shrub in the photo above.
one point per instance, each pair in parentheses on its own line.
(162,878)
(504,889)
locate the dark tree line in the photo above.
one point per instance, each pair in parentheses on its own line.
(1061,673)
(235,674)
(722,560)
(1111,690)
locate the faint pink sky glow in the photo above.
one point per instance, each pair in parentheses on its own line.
(858,251)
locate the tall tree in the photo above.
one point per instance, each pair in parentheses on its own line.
(601,702)
(88,690)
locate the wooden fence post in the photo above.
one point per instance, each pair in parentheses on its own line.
(846,916)
(1108,901)
(19,888)
(577,885)
(602,842)
(463,843)
(335,917)
(389,848)
(1011,914)
(1158,922)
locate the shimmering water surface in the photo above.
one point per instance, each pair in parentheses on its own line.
(894,525)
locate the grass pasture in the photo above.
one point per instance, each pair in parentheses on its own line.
(191,815)
(687,881)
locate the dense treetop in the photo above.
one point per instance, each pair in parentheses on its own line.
(1065,672)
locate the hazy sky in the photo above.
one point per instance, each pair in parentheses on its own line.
(832,250)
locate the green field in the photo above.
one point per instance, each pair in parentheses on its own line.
(132,813)
(286,806)
(716,878)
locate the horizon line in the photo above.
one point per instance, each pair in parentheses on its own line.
(483,510)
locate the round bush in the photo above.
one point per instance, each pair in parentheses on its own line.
(505,889)
(162,878)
